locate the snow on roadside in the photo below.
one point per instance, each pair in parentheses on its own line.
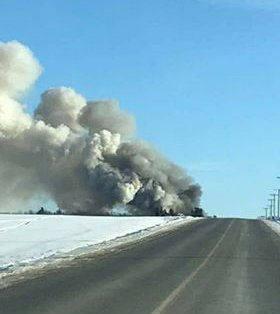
(35,240)
(274,225)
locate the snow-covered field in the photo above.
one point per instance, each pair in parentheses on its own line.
(35,240)
(274,225)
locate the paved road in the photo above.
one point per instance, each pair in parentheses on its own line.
(215,266)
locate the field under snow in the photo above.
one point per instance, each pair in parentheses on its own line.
(29,240)
(274,225)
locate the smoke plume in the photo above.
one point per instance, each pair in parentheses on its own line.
(79,153)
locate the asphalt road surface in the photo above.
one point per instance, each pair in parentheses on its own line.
(214,266)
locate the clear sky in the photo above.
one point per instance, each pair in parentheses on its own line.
(202,78)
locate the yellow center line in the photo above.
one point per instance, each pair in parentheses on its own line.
(175,293)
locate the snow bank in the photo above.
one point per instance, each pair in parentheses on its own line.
(36,239)
(274,225)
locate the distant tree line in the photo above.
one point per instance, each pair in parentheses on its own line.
(44,211)
(196,212)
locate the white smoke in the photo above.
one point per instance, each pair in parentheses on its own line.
(13,119)
(79,153)
(100,115)
(60,106)
(18,68)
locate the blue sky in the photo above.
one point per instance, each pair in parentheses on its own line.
(201,77)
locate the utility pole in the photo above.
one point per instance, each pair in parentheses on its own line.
(278,208)
(270,208)
(278,202)
(274,203)
(265,212)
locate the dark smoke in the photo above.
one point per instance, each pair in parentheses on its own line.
(79,153)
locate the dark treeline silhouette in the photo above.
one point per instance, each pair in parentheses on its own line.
(44,211)
(196,212)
